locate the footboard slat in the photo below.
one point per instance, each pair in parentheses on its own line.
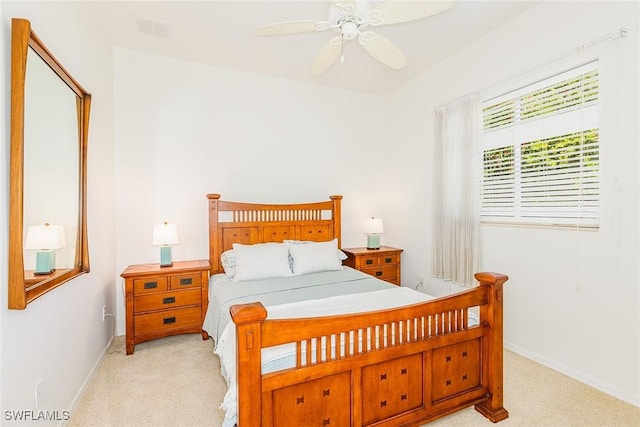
(319,349)
(328,346)
(347,344)
(308,351)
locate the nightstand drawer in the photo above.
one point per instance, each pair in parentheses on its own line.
(389,259)
(385,273)
(185,281)
(167,300)
(376,260)
(167,320)
(151,284)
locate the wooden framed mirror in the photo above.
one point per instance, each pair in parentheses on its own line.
(48,171)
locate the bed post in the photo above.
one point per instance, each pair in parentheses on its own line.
(248,319)
(214,240)
(336,218)
(491,314)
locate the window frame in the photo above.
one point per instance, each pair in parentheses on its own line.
(581,119)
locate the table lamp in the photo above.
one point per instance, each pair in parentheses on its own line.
(163,236)
(373,228)
(45,239)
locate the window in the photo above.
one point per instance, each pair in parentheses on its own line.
(541,152)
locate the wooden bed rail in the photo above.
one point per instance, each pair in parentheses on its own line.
(364,340)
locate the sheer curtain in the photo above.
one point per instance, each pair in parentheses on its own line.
(456,196)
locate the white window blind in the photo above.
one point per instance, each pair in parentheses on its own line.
(541,152)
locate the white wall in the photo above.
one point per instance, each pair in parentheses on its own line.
(60,336)
(572,301)
(184,130)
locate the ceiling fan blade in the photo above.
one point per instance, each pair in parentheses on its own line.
(397,11)
(383,49)
(291,27)
(326,56)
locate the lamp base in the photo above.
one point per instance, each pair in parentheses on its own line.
(373,241)
(44,273)
(165,256)
(45,262)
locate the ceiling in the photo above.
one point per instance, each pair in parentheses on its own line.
(219,33)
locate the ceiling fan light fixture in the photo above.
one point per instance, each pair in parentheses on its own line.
(349,30)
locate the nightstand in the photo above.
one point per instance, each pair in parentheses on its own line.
(383,263)
(163,301)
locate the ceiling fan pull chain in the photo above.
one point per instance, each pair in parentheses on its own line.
(342,48)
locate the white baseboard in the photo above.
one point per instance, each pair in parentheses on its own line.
(575,374)
(87,381)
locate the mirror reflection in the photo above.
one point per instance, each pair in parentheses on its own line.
(51,172)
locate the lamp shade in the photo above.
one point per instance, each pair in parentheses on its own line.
(45,237)
(165,234)
(373,226)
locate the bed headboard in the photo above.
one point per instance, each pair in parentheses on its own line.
(249,223)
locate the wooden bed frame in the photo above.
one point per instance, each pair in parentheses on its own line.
(425,361)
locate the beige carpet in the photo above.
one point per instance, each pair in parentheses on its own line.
(176,381)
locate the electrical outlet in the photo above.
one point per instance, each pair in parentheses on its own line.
(104,312)
(38,393)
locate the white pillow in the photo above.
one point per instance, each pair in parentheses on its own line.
(228,261)
(228,257)
(341,254)
(261,261)
(313,257)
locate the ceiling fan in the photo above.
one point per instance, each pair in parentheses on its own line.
(350,19)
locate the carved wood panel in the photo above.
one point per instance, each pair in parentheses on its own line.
(278,233)
(391,388)
(316,233)
(455,368)
(323,402)
(243,235)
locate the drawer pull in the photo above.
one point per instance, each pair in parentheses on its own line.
(387,260)
(169,300)
(169,320)
(151,285)
(368,261)
(186,281)
(378,273)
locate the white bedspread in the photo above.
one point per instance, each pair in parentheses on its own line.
(281,357)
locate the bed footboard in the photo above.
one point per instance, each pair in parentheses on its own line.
(402,366)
